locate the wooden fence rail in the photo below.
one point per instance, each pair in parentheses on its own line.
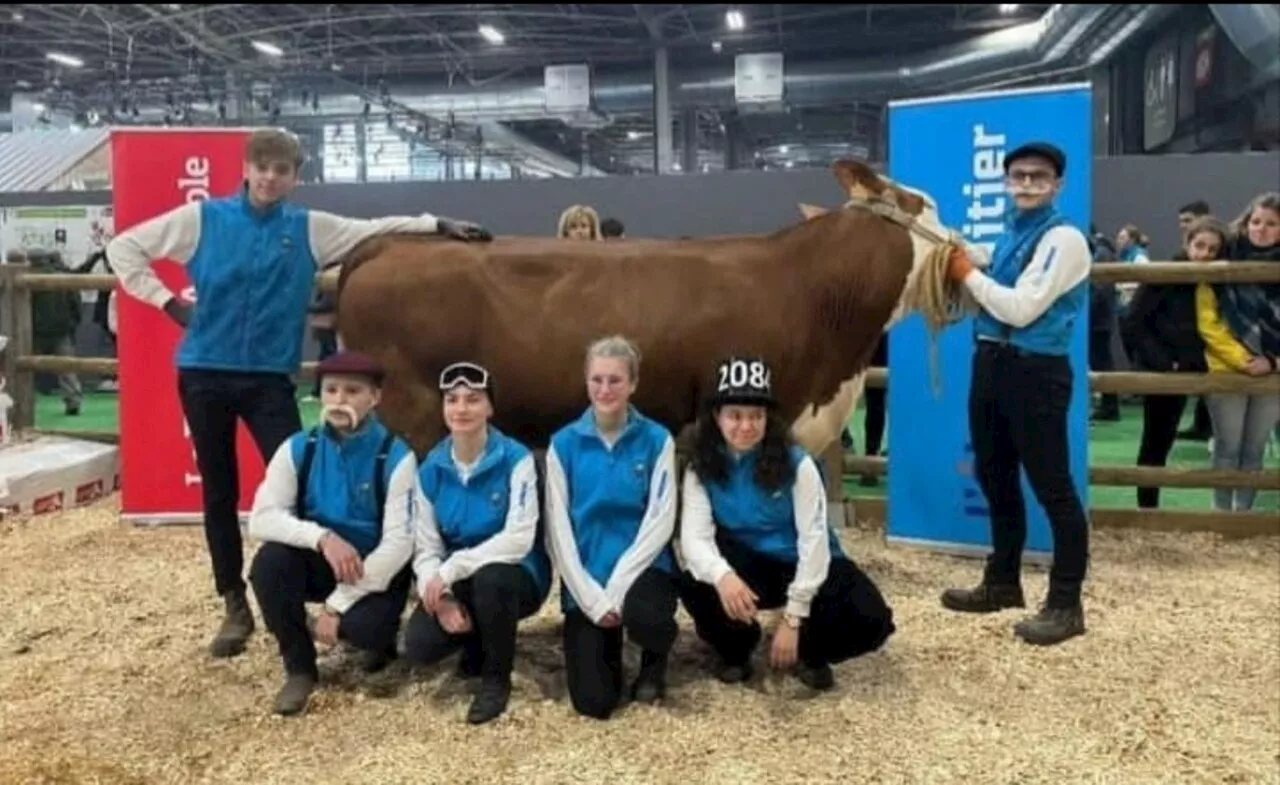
(17,284)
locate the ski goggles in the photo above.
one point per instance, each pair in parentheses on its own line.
(467,375)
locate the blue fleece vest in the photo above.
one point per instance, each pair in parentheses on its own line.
(254,275)
(763,521)
(609,491)
(340,494)
(1051,332)
(470,513)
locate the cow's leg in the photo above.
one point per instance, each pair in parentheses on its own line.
(412,408)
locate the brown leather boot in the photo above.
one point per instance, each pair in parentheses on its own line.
(237,626)
(984,598)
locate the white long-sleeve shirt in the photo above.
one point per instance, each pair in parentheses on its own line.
(656,529)
(809,502)
(175,235)
(273,520)
(510,545)
(1061,260)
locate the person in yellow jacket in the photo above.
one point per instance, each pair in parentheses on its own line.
(1240,325)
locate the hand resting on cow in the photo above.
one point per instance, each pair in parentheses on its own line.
(479,565)
(754,536)
(610,517)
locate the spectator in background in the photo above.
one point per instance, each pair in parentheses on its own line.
(1201,426)
(102,307)
(1161,327)
(54,319)
(1102,318)
(1240,323)
(579,222)
(612,228)
(1131,246)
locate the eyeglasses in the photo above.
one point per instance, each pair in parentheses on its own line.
(1032,176)
(466,375)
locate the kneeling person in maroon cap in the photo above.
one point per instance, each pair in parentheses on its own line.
(336,511)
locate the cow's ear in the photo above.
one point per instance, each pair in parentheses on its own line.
(811,211)
(858,178)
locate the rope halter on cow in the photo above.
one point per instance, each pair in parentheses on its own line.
(940,300)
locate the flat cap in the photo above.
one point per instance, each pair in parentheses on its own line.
(352,363)
(1042,150)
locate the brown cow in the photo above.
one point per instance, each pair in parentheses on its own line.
(811,298)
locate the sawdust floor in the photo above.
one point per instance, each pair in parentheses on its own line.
(104,679)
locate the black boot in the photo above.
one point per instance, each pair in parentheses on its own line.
(236,627)
(984,598)
(293,696)
(490,701)
(377,661)
(818,677)
(651,683)
(1051,625)
(731,673)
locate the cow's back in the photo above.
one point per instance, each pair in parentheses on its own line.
(527,309)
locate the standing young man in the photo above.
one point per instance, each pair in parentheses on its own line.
(252,258)
(1037,284)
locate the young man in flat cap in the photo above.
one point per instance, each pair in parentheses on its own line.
(1030,297)
(337,512)
(252,258)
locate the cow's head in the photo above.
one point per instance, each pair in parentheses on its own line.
(917,210)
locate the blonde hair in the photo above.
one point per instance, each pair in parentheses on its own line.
(619,348)
(575,212)
(1268,200)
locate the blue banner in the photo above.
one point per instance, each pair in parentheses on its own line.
(953,148)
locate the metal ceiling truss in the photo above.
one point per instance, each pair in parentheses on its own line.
(429,70)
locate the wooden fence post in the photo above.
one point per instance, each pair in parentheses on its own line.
(16,305)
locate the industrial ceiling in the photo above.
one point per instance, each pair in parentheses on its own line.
(466,78)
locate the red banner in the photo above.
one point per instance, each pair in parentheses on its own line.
(153,171)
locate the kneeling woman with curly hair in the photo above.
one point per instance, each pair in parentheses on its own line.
(754,536)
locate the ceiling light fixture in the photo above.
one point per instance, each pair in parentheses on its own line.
(268,49)
(1008,8)
(65,59)
(716,46)
(492,34)
(734,19)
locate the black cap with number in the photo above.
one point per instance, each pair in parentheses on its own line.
(744,380)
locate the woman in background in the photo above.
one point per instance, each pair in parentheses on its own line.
(1160,327)
(1240,323)
(579,222)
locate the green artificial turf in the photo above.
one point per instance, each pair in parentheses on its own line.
(1111,444)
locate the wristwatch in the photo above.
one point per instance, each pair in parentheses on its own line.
(791,621)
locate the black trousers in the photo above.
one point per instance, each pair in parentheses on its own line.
(1102,358)
(847,618)
(1018,420)
(496,597)
(593,655)
(213,402)
(286,578)
(1160,417)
